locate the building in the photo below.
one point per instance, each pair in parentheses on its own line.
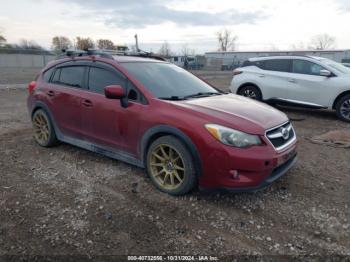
(231,60)
(15,57)
(193,61)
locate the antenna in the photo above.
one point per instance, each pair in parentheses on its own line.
(137,43)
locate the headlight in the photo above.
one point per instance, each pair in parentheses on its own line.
(232,137)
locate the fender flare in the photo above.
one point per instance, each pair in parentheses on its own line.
(43,106)
(162,130)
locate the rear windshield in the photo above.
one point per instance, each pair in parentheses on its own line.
(166,80)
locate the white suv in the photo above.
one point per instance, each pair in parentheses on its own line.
(307,81)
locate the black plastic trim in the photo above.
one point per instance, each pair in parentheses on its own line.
(288,103)
(169,130)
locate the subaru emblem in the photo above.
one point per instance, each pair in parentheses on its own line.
(285,133)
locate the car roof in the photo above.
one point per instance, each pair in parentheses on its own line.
(122,59)
(112,59)
(253,59)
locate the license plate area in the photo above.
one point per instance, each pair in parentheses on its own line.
(284,158)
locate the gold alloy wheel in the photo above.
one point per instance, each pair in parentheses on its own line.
(41,128)
(167,167)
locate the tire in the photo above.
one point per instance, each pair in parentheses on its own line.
(44,133)
(171,166)
(250,91)
(343,108)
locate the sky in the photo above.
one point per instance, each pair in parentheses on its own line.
(259,24)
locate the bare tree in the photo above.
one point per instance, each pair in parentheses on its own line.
(84,43)
(165,49)
(106,44)
(28,44)
(298,46)
(2,39)
(226,40)
(322,42)
(61,42)
(186,51)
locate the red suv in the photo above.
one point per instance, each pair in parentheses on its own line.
(160,117)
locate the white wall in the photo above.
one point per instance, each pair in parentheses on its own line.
(24,60)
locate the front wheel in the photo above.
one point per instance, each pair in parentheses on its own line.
(343,108)
(250,91)
(170,166)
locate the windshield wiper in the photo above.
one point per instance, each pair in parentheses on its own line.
(203,94)
(173,98)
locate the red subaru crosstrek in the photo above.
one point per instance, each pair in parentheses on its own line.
(160,117)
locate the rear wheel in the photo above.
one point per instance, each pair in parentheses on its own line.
(343,108)
(171,166)
(250,91)
(44,133)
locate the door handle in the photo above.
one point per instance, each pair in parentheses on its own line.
(51,93)
(261,75)
(292,80)
(87,103)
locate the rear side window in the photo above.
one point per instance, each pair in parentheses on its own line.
(259,64)
(306,67)
(99,78)
(47,74)
(56,77)
(69,76)
(72,76)
(247,63)
(279,65)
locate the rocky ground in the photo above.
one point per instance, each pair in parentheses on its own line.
(68,201)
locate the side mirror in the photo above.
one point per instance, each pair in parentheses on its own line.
(326,73)
(114,92)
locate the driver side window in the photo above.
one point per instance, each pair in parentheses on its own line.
(306,67)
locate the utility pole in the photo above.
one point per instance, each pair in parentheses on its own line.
(137,44)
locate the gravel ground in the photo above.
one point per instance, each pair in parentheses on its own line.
(68,201)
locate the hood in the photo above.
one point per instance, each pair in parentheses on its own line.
(237,112)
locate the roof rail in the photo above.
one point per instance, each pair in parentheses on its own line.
(107,54)
(145,54)
(79,53)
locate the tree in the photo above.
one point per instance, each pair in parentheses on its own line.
(165,49)
(84,43)
(226,40)
(2,39)
(61,42)
(28,44)
(106,44)
(322,42)
(298,46)
(186,51)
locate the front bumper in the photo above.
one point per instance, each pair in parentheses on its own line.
(277,173)
(244,170)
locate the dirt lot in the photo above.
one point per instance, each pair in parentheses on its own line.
(68,201)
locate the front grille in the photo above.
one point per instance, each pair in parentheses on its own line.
(281,136)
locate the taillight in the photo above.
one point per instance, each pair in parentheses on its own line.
(31,86)
(236,72)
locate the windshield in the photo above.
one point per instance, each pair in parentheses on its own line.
(166,80)
(337,66)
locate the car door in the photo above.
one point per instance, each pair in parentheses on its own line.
(273,79)
(309,87)
(64,97)
(107,123)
